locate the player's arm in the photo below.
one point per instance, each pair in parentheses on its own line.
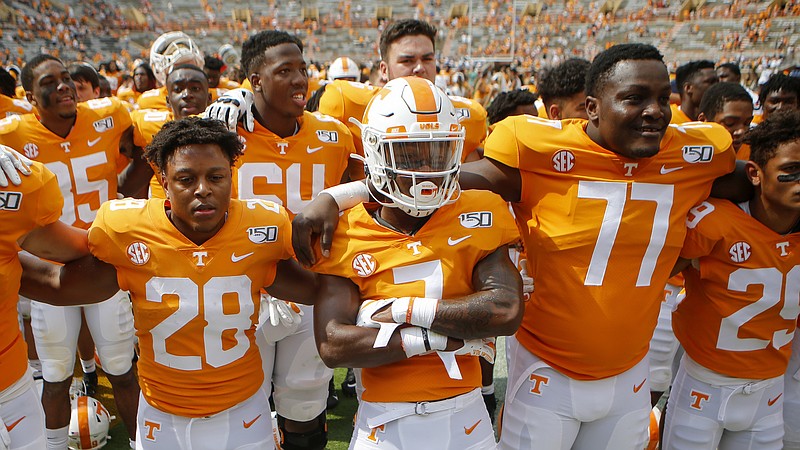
(56,241)
(340,342)
(294,282)
(495,309)
(135,180)
(83,281)
(734,186)
(681,264)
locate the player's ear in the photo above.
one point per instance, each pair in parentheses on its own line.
(753,173)
(384,71)
(592,108)
(554,112)
(255,81)
(164,183)
(702,117)
(30,97)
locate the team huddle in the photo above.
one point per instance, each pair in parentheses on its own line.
(223,250)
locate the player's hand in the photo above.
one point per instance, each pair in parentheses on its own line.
(317,221)
(485,348)
(278,318)
(527,281)
(233,106)
(12,164)
(283,313)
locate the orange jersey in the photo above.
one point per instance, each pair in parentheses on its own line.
(146,123)
(743,153)
(741,306)
(129,95)
(10,106)
(228,84)
(153,99)
(195,306)
(292,171)
(435,262)
(36,202)
(678,116)
(85,162)
(345,99)
(602,233)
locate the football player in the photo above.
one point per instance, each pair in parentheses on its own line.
(427,261)
(780,92)
(80,144)
(563,90)
(194,266)
(601,205)
(187,94)
(692,80)
(737,321)
(291,156)
(167,51)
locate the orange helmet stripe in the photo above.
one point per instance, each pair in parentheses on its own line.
(83,422)
(424,99)
(344,63)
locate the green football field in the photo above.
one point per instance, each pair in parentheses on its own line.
(340,419)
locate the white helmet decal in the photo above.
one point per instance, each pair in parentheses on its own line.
(88,425)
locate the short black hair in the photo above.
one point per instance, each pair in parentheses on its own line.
(31,65)
(105,87)
(191,131)
(720,93)
(779,82)
(563,81)
(213,63)
(187,66)
(80,71)
(605,62)
(506,102)
(402,28)
(687,71)
(254,47)
(733,67)
(777,129)
(8,85)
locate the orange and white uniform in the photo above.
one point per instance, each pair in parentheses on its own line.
(36,202)
(146,124)
(436,262)
(228,84)
(736,325)
(345,99)
(291,171)
(10,106)
(195,305)
(602,233)
(84,164)
(153,99)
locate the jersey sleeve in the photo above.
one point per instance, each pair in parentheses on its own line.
(103,237)
(50,201)
(702,231)
(139,139)
(502,145)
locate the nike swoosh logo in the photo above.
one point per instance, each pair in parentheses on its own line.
(11,427)
(639,387)
(451,241)
(313,150)
(469,430)
(250,424)
(665,171)
(91,143)
(236,259)
(770,402)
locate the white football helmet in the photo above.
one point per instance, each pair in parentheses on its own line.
(171,49)
(229,55)
(88,426)
(344,67)
(412,146)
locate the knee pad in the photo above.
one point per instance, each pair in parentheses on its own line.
(300,405)
(57,370)
(316,439)
(116,359)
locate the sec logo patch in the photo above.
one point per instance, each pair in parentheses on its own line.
(364,264)
(138,253)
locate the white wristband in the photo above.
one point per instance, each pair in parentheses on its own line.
(419,311)
(413,342)
(348,195)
